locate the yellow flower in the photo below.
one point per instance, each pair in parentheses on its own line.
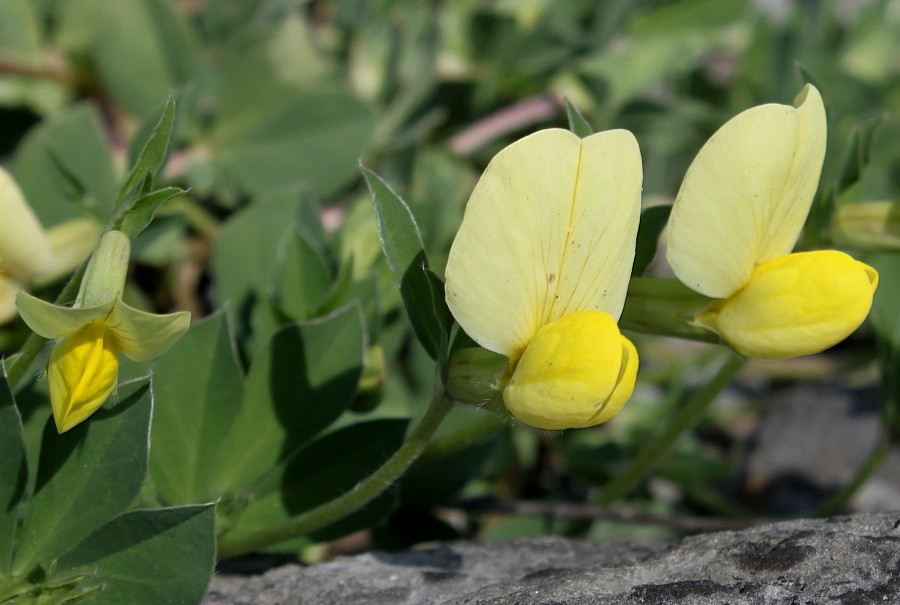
(539,270)
(738,215)
(25,251)
(28,254)
(84,364)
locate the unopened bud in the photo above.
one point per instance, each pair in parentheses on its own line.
(371,383)
(867,225)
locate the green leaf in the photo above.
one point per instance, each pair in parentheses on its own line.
(422,290)
(86,476)
(139,215)
(198,389)
(577,122)
(856,154)
(13,473)
(153,154)
(304,279)
(148,556)
(69,146)
(653,221)
(242,271)
(311,138)
(297,387)
(885,314)
(323,471)
(140,49)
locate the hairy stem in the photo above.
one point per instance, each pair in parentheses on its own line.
(364,492)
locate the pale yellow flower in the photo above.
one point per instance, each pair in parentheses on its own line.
(29,255)
(84,364)
(539,270)
(736,219)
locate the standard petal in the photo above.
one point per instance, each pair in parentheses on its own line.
(52,321)
(746,195)
(25,250)
(550,229)
(143,336)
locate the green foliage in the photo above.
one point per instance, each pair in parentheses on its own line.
(147,556)
(188,424)
(422,290)
(13,475)
(106,457)
(301,383)
(65,169)
(72,544)
(225,138)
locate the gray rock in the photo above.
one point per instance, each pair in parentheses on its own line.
(811,442)
(851,560)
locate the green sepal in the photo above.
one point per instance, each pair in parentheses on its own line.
(104,278)
(665,307)
(578,124)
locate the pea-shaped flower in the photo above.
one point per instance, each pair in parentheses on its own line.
(84,364)
(29,255)
(25,251)
(735,221)
(539,270)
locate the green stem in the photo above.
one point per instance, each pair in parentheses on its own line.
(364,492)
(685,418)
(665,307)
(34,344)
(840,499)
(198,217)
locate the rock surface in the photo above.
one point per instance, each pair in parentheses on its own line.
(810,443)
(851,560)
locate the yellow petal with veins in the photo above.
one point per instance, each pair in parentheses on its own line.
(82,374)
(746,195)
(549,229)
(578,371)
(797,304)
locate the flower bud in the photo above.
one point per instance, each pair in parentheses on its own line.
(577,371)
(25,251)
(868,225)
(371,384)
(796,304)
